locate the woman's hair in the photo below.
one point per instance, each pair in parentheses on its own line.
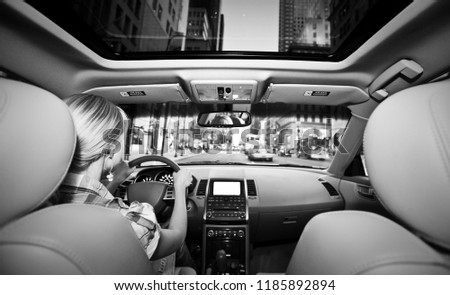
(98,124)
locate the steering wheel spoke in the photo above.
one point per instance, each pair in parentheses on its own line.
(170,195)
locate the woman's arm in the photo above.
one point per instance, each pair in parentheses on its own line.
(172,237)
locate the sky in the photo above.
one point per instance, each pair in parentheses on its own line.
(251,27)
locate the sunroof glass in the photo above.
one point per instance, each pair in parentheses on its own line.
(315,29)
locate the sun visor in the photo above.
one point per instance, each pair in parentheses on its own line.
(156,93)
(314,94)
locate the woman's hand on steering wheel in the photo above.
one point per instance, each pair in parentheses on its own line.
(182,178)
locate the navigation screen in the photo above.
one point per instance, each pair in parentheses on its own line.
(226,188)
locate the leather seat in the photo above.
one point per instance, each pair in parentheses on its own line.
(407,148)
(37,144)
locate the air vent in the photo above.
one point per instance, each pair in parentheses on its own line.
(251,188)
(331,190)
(201,190)
(169,193)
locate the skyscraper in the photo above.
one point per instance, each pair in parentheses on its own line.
(132,25)
(213,17)
(304,25)
(199,32)
(286,29)
(344,18)
(118,23)
(159,22)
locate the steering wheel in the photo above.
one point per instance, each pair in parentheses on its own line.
(148,158)
(151,192)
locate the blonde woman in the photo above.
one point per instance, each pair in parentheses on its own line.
(98,155)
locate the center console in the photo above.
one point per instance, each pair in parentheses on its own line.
(226,229)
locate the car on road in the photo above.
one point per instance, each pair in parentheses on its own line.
(257,155)
(285,151)
(345,77)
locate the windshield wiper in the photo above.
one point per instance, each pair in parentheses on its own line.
(218,162)
(302,166)
(215,162)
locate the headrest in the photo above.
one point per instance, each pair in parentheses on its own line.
(407,147)
(37,144)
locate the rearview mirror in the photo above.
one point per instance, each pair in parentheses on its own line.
(224,119)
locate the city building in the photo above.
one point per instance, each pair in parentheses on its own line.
(344,16)
(160,22)
(133,25)
(199,33)
(287,32)
(205,26)
(117,24)
(304,26)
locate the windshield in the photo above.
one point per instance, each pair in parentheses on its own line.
(280,134)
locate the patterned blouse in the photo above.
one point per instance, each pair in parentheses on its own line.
(81,189)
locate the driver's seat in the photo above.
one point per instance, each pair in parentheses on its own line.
(37,144)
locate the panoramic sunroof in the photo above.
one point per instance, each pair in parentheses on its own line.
(328,30)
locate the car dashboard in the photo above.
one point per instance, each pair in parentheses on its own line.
(233,207)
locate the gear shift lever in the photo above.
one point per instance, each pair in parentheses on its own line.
(221,262)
